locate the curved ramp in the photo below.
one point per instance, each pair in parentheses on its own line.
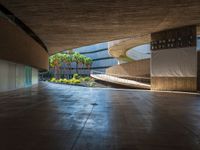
(120,81)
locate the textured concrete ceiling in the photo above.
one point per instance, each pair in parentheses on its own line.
(63,24)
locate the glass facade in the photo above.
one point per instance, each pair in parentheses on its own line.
(28,76)
(100,56)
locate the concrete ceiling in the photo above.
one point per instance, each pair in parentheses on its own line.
(64,24)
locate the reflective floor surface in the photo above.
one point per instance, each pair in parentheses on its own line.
(61,117)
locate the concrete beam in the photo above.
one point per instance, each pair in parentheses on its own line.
(17,46)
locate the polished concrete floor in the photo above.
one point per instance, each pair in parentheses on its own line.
(60,117)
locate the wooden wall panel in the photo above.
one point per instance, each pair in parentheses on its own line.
(174,83)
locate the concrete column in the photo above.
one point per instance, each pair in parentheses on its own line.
(174,59)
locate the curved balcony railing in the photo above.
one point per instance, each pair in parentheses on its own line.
(117,80)
(119,76)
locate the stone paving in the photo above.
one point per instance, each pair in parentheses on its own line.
(60,117)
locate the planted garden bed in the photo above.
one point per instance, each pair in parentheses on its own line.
(76,80)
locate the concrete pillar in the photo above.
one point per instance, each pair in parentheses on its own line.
(174,59)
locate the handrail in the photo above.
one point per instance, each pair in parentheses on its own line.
(113,79)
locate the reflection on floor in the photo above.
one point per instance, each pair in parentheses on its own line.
(61,117)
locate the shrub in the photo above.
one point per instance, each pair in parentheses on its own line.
(52,79)
(66,81)
(71,81)
(91,84)
(87,79)
(74,81)
(77,81)
(60,80)
(81,79)
(75,76)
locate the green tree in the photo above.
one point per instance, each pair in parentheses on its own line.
(55,61)
(67,59)
(77,59)
(82,61)
(88,63)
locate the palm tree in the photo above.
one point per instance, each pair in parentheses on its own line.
(82,61)
(68,60)
(55,62)
(88,62)
(77,59)
(64,63)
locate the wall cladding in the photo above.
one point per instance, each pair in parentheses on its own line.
(34,76)
(19,76)
(12,76)
(198,70)
(133,69)
(177,62)
(174,83)
(174,38)
(174,59)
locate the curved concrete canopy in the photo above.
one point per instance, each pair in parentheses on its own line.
(16,46)
(120,47)
(139,52)
(64,24)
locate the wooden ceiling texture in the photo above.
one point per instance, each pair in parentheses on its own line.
(66,24)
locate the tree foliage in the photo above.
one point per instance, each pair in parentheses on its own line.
(59,58)
(66,58)
(55,60)
(88,62)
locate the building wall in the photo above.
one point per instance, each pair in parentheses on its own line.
(20,55)
(100,56)
(198,70)
(174,59)
(174,83)
(19,76)
(133,69)
(34,76)
(12,76)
